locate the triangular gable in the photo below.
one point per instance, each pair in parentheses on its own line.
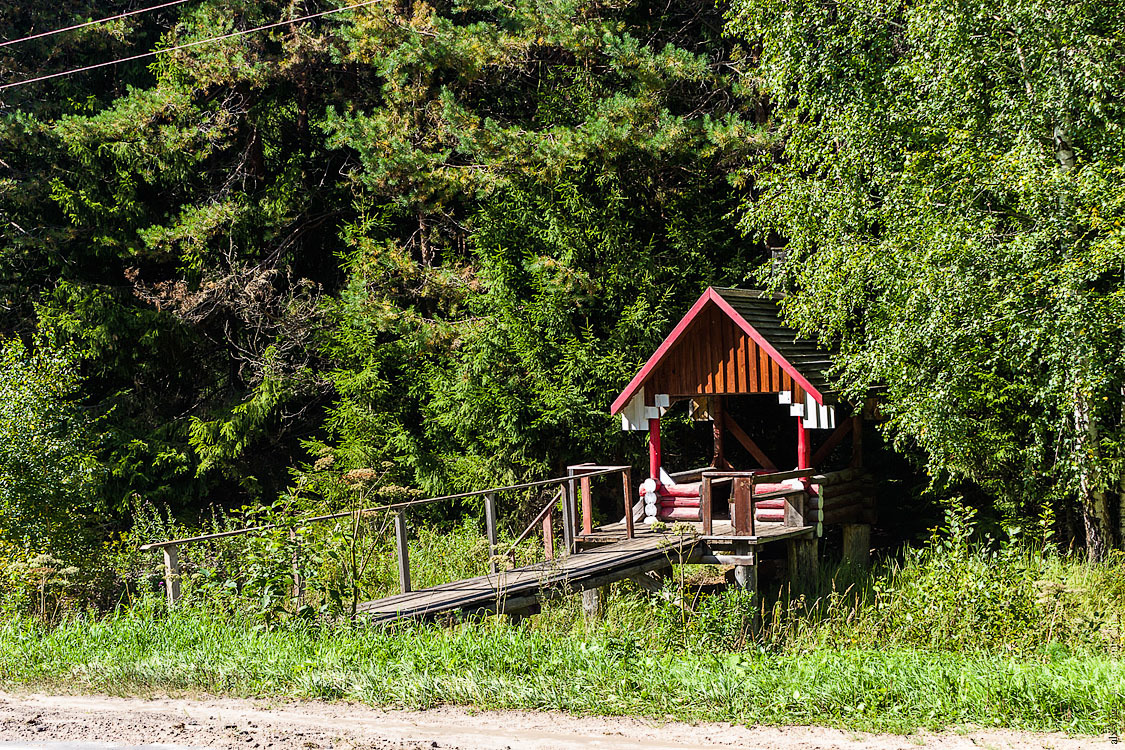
(714,349)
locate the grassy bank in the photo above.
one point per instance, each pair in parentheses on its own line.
(953,632)
(600,669)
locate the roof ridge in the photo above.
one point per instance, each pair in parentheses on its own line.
(748,293)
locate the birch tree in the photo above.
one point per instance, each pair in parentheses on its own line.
(950,186)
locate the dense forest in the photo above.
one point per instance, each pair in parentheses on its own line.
(435,239)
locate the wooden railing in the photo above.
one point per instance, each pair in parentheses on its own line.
(744,499)
(580,474)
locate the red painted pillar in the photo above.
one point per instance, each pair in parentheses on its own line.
(654,449)
(804,447)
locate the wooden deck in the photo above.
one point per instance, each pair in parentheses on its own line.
(722,533)
(605,556)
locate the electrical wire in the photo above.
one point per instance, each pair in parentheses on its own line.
(196,43)
(118,17)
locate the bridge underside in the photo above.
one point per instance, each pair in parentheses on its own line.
(604,557)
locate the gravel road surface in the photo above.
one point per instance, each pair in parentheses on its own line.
(51,722)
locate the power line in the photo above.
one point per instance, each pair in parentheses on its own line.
(91,23)
(196,43)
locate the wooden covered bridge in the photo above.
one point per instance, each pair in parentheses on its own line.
(730,345)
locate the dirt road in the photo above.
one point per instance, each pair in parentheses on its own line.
(42,720)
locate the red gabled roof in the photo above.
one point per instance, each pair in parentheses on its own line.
(774,339)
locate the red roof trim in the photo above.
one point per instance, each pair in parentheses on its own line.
(670,339)
(710,295)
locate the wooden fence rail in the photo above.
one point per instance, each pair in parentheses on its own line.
(583,473)
(743,498)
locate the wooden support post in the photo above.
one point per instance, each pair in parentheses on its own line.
(857,545)
(627,489)
(795,509)
(593,602)
(833,440)
(654,449)
(804,448)
(490,529)
(750,446)
(718,460)
(172,573)
(516,616)
(403,552)
(857,441)
(568,514)
(652,582)
(705,507)
(298,579)
(587,506)
(549,534)
(746,576)
(741,507)
(803,566)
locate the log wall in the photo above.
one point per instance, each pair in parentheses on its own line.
(845,496)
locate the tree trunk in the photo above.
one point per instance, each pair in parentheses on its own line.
(1093,499)
(1121,486)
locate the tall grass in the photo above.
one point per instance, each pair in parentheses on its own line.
(605,669)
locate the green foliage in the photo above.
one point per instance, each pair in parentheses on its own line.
(949,188)
(48,469)
(441,236)
(541,192)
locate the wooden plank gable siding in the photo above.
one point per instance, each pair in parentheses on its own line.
(716,357)
(732,341)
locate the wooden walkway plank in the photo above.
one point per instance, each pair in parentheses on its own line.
(513,590)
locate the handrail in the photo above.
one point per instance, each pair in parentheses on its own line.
(777,476)
(375,509)
(755,478)
(170,547)
(545,513)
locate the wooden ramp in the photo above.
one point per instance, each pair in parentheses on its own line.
(522,588)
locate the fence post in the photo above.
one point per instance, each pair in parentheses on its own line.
(568,514)
(172,573)
(490,529)
(627,488)
(298,579)
(705,501)
(403,552)
(742,514)
(587,506)
(549,534)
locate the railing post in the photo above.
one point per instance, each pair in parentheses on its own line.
(795,509)
(627,488)
(490,529)
(568,513)
(753,508)
(549,534)
(705,502)
(172,573)
(403,552)
(587,506)
(298,579)
(742,500)
(857,441)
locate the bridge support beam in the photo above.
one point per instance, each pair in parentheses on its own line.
(746,578)
(515,617)
(803,566)
(593,602)
(744,558)
(857,545)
